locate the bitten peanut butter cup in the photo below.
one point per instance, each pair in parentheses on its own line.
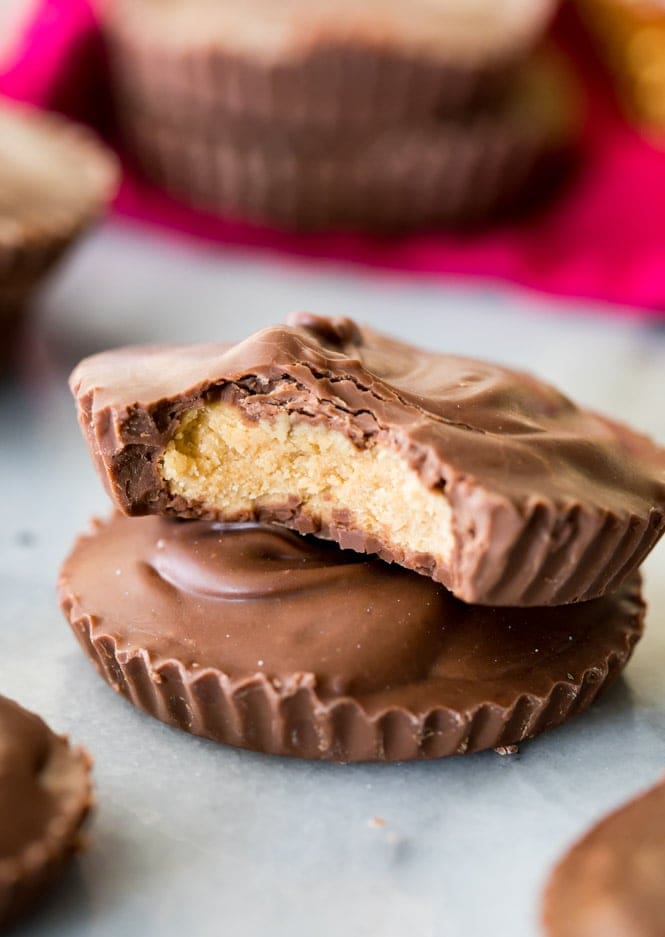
(312,64)
(483,478)
(612,882)
(45,795)
(260,638)
(433,172)
(55,180)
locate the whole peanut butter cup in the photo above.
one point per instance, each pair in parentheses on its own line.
(257,637)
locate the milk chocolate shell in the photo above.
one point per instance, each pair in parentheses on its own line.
(55,180)
(612,883)
(257,637)
(485,479)
(312,64)
(434,172)
(45,795)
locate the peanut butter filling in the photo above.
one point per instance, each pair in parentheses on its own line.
(233,466)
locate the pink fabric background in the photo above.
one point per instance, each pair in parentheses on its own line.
(603,239)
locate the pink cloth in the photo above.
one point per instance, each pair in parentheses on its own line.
(603,239)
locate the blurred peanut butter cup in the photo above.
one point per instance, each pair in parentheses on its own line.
(55,180)
(612,881)
(311,64)
(45,796)
(434,171)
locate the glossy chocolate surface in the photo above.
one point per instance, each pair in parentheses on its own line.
(551,503)
(613,881)
(190,619)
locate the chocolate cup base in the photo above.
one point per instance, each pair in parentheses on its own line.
(340,733)
(314,661)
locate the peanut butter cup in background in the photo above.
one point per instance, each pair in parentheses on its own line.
(312,115)
(612,882)
(56,179)
(436,171)
(45,795)
(261,638)
(312,64)
(486,479)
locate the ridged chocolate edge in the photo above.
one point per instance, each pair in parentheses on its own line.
(334,88)
(448,174)
(596,556)
(554,555)
(531,552)
(25,879)
(271,717)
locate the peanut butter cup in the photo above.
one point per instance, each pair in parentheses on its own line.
(260,638)
(311,64)
(483,478)
(55,180)
(430,172)
(612,882)
(45,795)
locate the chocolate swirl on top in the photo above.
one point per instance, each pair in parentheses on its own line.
(250,600)
(249,561)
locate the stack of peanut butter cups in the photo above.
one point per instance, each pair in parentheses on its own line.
(307,114)
(331,544)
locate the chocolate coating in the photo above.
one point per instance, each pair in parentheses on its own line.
(313,65)
(550,503)
(612,882)
(55,180)
(45,795)
(429,172)
(257,637)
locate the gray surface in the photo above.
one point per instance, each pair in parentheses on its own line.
(194,838)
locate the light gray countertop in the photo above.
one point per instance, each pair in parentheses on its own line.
(194,838)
